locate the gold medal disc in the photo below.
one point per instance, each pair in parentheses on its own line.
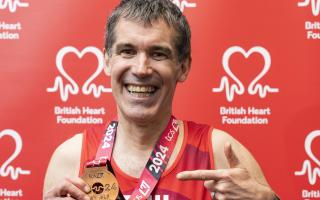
(103,184)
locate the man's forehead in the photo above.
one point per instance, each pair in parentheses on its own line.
(144,22)
(156,30)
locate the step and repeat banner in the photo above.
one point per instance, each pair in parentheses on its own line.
(255,74)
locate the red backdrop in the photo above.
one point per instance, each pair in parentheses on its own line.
(255,74)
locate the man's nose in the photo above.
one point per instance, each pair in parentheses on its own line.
(142,67)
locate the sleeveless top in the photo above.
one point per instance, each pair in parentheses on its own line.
(195,153)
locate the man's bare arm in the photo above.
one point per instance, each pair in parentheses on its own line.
(62,173)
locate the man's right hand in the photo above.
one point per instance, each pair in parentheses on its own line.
(70,188)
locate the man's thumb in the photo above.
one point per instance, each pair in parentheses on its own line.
(231,156)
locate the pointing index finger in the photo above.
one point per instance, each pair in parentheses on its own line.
(202,175)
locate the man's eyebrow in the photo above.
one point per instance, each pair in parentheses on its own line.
(165,49)
(123,45)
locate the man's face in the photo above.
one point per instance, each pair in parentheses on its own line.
(144,70)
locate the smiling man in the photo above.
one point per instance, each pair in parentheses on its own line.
(152,154)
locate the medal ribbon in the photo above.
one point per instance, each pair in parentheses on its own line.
(156,164)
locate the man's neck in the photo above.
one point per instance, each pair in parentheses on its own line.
(140,137)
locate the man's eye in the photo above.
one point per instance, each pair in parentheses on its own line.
(159,56)
(127,52)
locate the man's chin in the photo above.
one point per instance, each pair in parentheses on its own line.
(140,117)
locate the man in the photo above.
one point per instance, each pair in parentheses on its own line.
(147,53)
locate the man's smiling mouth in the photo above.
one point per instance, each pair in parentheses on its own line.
(141,90)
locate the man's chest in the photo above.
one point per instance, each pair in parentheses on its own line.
(131,164)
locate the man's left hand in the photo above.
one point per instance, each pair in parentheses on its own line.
(232,183)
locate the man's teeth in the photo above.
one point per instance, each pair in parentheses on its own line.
(141,89)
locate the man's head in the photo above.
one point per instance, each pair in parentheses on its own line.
(148,12)
(147,53)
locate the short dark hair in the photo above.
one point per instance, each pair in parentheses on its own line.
(148,11)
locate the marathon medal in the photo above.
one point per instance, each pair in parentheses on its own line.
(103,183)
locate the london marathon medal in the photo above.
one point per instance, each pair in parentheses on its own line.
(103,184)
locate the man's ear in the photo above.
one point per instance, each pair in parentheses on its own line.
(185,68)
(107,68)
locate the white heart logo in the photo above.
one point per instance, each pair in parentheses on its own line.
(238,88)
(72,87)
(237,49)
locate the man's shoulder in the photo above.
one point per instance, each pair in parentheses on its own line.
(69,150)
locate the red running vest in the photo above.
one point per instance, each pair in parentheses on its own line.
(195,153)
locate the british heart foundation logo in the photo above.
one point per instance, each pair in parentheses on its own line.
(65,85)
(233,86)
(238,88)
(310,167)
(68,84)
